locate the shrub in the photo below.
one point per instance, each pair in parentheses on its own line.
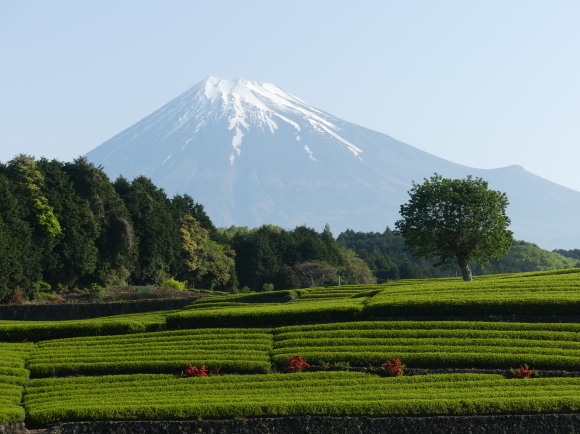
(192,371)
(173,284)
(268,287)
(522,372)
(97,291)
(394,368)
(18,296)
(41,296)
(296,364)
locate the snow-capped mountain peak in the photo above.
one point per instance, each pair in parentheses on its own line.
(252,153)
(249,104)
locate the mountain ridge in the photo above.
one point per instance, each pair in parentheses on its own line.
(252,153)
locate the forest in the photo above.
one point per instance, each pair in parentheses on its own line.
(65,226)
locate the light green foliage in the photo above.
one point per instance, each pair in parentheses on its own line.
(454,219)
(97,291)
(355,270)
(267,314)
(173,284)
(159,397)
(543,293)
(436,344)
(42,330)
(31,183)
(239,350)
(12,379)
(207,263)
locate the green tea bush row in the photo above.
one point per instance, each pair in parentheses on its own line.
(518,294)
(39,331)
(240,350)
(49,401)
(429,325)
(12,378)
(436,358)
(431,344)
(268,314)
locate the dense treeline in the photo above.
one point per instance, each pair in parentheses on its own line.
(66,226)
(574,254)
(271,257)
(386,256)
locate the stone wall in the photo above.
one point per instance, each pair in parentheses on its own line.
(12,428)
(512,424)
(58,312)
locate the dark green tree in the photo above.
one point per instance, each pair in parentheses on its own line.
(456,219)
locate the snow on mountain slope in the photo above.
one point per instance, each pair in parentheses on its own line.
(252,154)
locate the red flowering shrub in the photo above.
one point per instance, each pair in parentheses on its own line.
(394,368)
(523,372)
(295,364)
(192,371)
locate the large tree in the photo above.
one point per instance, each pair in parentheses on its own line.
(456,219)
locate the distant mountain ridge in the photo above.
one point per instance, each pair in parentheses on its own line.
(253,154)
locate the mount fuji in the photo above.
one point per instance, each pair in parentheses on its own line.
(253,154)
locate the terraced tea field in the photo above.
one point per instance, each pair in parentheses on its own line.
(129,367)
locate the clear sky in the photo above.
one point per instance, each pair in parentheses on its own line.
(485,83)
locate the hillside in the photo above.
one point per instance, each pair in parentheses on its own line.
(245,347)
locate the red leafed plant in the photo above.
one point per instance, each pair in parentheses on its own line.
(394,368)
(523,372)
(295,364)
(192,371)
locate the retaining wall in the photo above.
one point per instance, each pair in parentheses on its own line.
(509,424)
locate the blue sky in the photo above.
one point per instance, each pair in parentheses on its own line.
(482,83)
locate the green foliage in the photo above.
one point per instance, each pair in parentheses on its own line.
(163,397)
(97,291)
(174,284)
(12,379)
(240,350)
(437,344)
(66,224)
(453,219)
(386,256)
(544,293)
(41,330)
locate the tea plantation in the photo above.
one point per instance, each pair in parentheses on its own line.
(466,336)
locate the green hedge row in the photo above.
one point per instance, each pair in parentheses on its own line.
(49,401)
(240,350)
(40,331)
(543,294)
(268,314)
(12,378)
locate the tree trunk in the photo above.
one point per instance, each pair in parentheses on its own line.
(465,270)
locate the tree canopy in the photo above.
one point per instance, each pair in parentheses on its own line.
(456,219)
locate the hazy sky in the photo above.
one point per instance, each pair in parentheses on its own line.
(482,83)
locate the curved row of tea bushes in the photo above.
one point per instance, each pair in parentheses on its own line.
(229,350)
(420,344)
(44,330)
(12,379)
(547,293)
(433,344)
(347,309)
(148,397)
